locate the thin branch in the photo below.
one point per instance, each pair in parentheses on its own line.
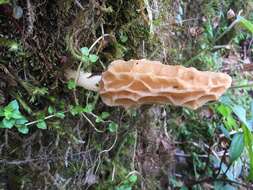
(48,117)
(79,5)
(100,38)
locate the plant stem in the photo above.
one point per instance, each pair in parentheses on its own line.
(242,86)
(48,117)
(101,37)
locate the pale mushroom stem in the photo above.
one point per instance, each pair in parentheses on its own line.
(85,80)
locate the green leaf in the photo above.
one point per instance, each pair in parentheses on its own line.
(10,108)
(230,122)
(123,38)
(112,127)
(251,109)
(1,125)
(42,125)
(85,51)
(85,59)
(245,23)
(39,91)
(60,115)
(224,110)
(105,115)
(93,58)
(226,100)
(8,112)
(8,123)
(14,105)
(71,84)
(209,30)
(16,114)
(236,168)
(98,119)
(50,110)
(4,2)
(240,112)
(237,146)
(224,131)
(1,112)
(248,140)
(102,117)
(250,121)
(124,187)
(76,110)
(21,121)
(133,178)
(174,182)
(23,129)
(88,108)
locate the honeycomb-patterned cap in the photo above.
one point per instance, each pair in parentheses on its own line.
(136,82)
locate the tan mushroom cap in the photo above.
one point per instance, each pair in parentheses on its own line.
(136,82)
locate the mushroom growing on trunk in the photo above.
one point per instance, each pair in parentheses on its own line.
(137,82)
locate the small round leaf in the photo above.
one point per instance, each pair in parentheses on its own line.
(93,58)
(23,129)
(84,51)
(42,125)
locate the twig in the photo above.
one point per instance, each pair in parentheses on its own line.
(106,150)
(99,131)
(48,117)
(79,5)
(231,133)
(133,172)
(113,172)
(221,46)
(66,156)
(53,158)
(190,19)
(101,37)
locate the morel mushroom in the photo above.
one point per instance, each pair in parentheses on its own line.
(137,82)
